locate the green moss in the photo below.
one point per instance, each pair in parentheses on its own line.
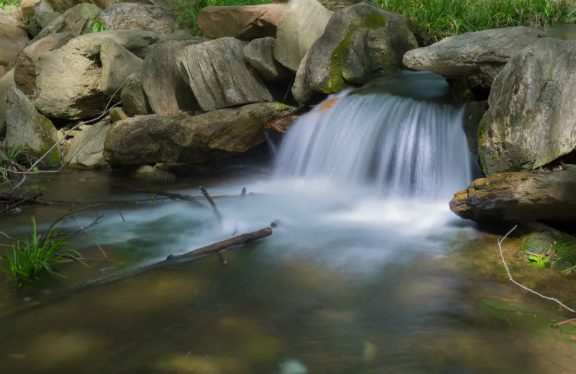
(553,249)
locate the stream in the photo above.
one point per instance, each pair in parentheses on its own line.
(366,272)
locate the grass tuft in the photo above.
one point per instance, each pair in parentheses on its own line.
(443,18)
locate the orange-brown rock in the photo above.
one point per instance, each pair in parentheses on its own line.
(241,22)
(522,196)
(275,130)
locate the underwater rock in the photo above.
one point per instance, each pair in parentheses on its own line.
(152,174)
(521,196)
(293,366)
(532,116)
(474,57)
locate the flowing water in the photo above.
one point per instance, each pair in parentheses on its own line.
(367,271)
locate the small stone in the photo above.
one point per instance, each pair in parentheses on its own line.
(153,174)
(117,114)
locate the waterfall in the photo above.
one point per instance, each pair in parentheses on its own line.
(388,143)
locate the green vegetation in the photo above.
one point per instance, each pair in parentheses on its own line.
(4,3)
(28,259)
(5,167)
(550,249)
(187,11)
(442,18)
(94,25)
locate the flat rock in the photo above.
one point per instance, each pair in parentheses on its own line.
(474,57)
(131,16)
(86,150)
(25,68)
(531,120)
(219,75)
(241,22)
(302,23)
(117,64)
(521,196)
(165,88)
(29,131)
(134,100)
(260,55)
(192,140)
(358,41)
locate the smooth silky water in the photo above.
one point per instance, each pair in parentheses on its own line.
(367,272)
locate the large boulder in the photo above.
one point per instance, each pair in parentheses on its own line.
(241,22)
(301,25)
(13,39)
(358,41)
(134,100)
(25,68)
(29,131)
(260,55)
(117,64)
(532,116)
(522,196)
(219,75)
(131,16)
(475,57)
(86,150)
(6,83)
(165,88)
(79,19)
(193,140)
(62,5)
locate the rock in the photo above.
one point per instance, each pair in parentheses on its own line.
(301,89)
(79,19)
(13,39)
(301,25)
(473,113)
(15,12)
(61,5)
(335,5)
(152,174)
(475,57)
(552,248)
(6,83)
(43,17)
(133,98)
(165,88)
(240,22)
(137,42)
(193,140)
(219,75)
(260,55)
(532,117)
(117,114)
(132,16)
(522,196)
(86,150)
(25,68)
(104,4)
(358,41)
(275,130)
(29,9)
(29,131)
(117,64)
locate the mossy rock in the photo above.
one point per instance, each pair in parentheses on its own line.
(552,248)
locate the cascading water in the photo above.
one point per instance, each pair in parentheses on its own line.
(379,139)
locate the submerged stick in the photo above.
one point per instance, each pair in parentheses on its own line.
(212,203)
(91,238)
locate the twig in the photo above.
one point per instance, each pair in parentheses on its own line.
(223,258)
(212,203)
(91,238)
(21,202)
(520,285)
(565,322)
(33,172)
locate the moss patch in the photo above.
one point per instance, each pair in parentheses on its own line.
(550,249)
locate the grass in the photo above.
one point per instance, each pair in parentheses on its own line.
(187,11)
(27,260)
(13,157)
(443,18)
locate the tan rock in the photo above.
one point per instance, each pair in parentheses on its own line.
(13,39)
(133,16)
(117,64)
(29,8)
(87,147)
(240,22)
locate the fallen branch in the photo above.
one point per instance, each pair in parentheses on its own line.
(565,322)
(91,238)
(212,203)
(520,285)
(21,201)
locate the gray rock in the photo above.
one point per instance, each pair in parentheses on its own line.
(78,19)
(475,57)
(301,89)
(13,39)
(61,5)
(25,68)
(165,88)
(532,115)
(260,55)
(6,83)
(133,98)
(29,131)
(358,41)
(117,64)
(522,196)
(152,174)
(86,149)
(193,140)
(219,75)
(301,25)
(335,5)
(137,42)
(130,16)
